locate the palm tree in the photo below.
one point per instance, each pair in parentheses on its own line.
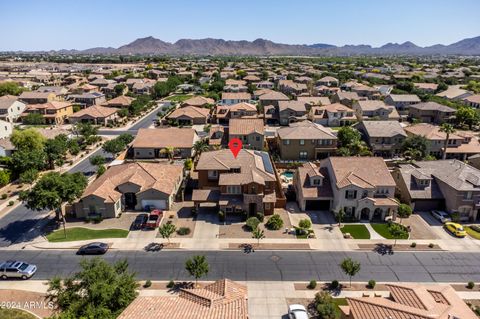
(447,129)
(169,151)
(258,234)
(200,146)
(413,154)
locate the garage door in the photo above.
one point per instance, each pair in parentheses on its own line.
(317,205)
(159,204)
(425,205)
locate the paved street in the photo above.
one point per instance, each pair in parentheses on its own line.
(272,265)
(143,123)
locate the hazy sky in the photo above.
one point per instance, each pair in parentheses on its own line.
(69,24)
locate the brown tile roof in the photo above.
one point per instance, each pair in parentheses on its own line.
(242,106)
(199,101)
(404,98)
(165,137)
(432,106)
(236,96)
(297,106)
(7,100)
(431,132)
(412,301)
(54,105)
(95,111)
(223,299)
(308,170)
(245,126)
(273,96)
(255,166)
(383,128)
(365,172)
(161,177)
(305,130)
(190,112)
(120,100)
(314,100)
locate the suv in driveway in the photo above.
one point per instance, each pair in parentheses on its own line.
(154,219)
(16,269)
(441,216)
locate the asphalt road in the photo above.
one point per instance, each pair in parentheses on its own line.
(143,123)
(271,265)
(22,224)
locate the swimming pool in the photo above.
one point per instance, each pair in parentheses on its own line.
(287,174)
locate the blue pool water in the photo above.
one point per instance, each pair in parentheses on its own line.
(288,174)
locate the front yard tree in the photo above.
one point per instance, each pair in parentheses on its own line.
(98,290)
(53,190)
(23,160)
(416,143)
(350,267)
(197,267)
(55,149)
(167,230)
(258,234)
(29,139)
(114,146)
(447,129)
(85,130)
(340,216)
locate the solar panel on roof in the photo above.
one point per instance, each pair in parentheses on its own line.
(267,164)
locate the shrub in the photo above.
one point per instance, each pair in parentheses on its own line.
(470,285)
(188,164)
(182,231)
(431,245)
(171,284)
(334,284)
(305,224)
(261,217)
(221,216)
(252,223)
(10,203)
(413,245)
(312,284)
(404,211)
(147,284)
(275,222)
(371,284)
(4,196)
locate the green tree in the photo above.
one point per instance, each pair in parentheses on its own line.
(197,267)
(325,305)
(126,138)
(98,290)
(417,143)
(252,223)
(97,160)
(169,151)
(340,216)
(447,129)
(4,177)
(467,115)
(305,224)
(200,146)
(86,130)
(397,231)
(166,230)
(52,190)
(55,149)
(258,234)
(10,88)
(350,268)
(119,89)
(28,176)
(23,160)
(113,146)
(348,135)
(33,119)
(29,139)
(404,210)
(188,164)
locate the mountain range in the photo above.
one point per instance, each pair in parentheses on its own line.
(262,47)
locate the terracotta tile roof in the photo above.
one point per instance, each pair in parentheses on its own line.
(120,100)
(190,112)
(404,98)
(365,172)
(432,106)
(372,105)
(161,177)
(255,166)
(273,95)
(165,137)
(199,101)
(54,105)
(383,128)
(236,96)
(245,126)
(305,130)
(95,111)
(297,106)
(412,301)
(308,170)
(7,100)
(431,132)
(242,106)
(473,98)
(223,299)
(314,100)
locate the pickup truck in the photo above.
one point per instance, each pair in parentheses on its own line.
(154,219)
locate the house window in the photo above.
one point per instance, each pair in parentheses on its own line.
(258,138)
(212,175)
(234,189)
(286,142)
(350,194)
(267,206)
(467,195)
(316,181)
(303,155)
(302,142)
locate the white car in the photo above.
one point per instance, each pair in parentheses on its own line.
(297,312)
(441,216)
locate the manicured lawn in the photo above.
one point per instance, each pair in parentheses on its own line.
(179,98)
(80,233)
(357,231)
(382,230)
(15,314)
(472,233)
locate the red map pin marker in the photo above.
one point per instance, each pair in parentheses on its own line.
(235,145)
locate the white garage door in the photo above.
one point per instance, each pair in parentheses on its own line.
(159,204)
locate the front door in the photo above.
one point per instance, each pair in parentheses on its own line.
(252,209)
(130,201)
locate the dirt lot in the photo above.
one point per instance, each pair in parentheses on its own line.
(234,228)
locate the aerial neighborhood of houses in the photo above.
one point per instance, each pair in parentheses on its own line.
(334,151)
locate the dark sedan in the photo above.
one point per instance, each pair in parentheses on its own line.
(139,221)
(93,249)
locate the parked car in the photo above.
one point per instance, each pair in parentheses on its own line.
(456,229)
(297,312)
(154,219)
(442,217)
(139,221)
(16,269)
(96,248)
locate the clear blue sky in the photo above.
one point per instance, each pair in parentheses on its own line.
(68,24)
